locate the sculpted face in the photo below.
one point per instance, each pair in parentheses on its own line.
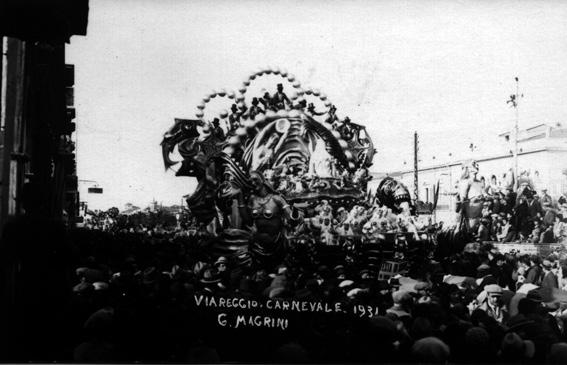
(256,181)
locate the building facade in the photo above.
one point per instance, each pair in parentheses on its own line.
(542,156)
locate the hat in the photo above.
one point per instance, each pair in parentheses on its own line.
(354,292)
(547,264)
(209,276)
(83,287)
(483,267)
(221,260)
(345,283)
(493,289)
(100,285)
(430,350)
(513,346)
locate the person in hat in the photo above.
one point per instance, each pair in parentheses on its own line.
(484,276)
(483,233)
(210,280)
(422,290)
(312,111)
(534,273)
(217,130)
(234,118)
(549,278)
(255,108)
(546,201)
(401,310)
(280,99)
(492,304)
(332,115)
(300,105)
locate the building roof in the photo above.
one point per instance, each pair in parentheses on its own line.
(482,159)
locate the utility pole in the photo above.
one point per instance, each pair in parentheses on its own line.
(515,101)
(415,167)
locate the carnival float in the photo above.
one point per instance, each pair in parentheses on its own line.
(279,167)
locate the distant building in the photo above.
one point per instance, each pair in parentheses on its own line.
(542,153)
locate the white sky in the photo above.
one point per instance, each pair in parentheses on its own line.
(443,68)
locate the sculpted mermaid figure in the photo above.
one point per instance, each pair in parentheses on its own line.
(266,211)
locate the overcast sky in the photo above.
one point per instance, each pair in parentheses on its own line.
(443,68)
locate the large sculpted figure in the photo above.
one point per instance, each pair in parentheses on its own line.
(266,211)
(470,195)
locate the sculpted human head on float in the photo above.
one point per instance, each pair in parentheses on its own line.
(257,181)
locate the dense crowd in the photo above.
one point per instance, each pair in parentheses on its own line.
(525,217)
(134,300)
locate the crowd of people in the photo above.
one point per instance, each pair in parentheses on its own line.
(276,102)
(526,216)
(134,300)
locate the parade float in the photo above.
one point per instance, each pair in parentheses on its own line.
(278,167)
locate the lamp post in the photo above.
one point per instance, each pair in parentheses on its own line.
(515,100)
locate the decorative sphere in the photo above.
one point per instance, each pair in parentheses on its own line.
(300,91)
(293,96)
(252,77)
(213,94)
(222,92)
(291,78)
(308,91)
(283,72)
(242,90)
(343,143)
(249,124)
(294,113)
(316,92)
(296,84)
(231,95)
(282,125)
(201,106)
(323,97)
(246,82)
(199,114)
(259,118)
(268,70)
(241,132)
(224,114)
(328,103)
(206,99)
(240,97)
